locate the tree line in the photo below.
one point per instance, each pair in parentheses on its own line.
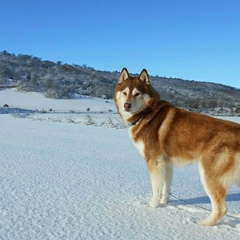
(61,80)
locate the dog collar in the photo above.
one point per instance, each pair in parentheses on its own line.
(136,122)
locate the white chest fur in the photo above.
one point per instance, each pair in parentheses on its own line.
(139,144)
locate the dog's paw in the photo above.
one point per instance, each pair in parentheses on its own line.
(164,200)
(154,203)
(207,222)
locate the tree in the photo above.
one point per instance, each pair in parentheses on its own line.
(212,104)
(5,53)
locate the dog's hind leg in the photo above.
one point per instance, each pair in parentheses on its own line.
(157,175)
(217,193)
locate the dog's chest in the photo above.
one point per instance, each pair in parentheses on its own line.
(138,144)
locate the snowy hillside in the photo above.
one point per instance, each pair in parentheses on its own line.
(81,110)
(63,178)
(58,80)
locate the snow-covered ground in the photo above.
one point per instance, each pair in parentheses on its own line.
(61,177)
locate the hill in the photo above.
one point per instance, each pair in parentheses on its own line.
(58,80)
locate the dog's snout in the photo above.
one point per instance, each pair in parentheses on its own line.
(127,106)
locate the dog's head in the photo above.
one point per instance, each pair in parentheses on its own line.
(134,94)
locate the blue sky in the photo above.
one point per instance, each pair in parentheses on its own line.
(190,39)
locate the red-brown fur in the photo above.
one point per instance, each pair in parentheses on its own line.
(168,135)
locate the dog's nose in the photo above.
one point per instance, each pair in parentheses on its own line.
(127,106)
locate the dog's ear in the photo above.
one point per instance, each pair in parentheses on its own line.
(144,76)
(124,75)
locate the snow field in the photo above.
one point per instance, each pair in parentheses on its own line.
(69,181)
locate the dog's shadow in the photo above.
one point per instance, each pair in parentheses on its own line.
(234,197)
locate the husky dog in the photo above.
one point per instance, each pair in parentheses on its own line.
(166,135)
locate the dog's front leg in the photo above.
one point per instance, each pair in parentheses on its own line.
(157,172)
(167,183)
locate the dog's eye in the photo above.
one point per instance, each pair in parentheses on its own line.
(136,94)
(124,93)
